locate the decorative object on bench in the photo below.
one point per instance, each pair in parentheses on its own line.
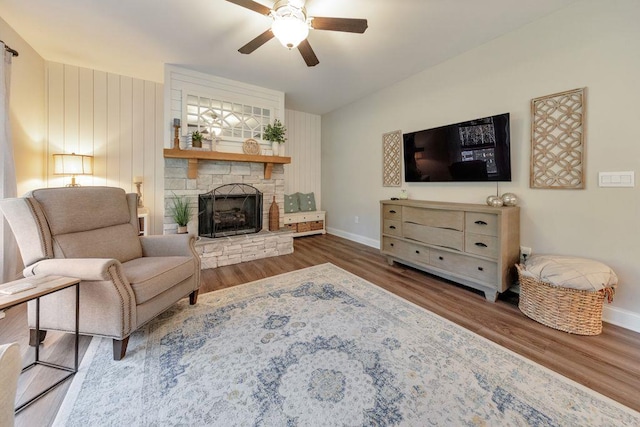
(291,203)
(274,216)
(566,293)
(392,159)
(558,140)
(301,216)
(92,233)
(307,202)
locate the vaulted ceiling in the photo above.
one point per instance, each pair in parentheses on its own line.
(137,37)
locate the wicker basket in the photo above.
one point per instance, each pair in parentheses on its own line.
(304,226)
(570,310)
(291,227)
(317,225)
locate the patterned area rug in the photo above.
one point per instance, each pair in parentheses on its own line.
(319,347)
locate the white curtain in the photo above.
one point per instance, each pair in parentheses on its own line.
(8,186)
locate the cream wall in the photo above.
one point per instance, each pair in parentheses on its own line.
(27,109)
(591,44)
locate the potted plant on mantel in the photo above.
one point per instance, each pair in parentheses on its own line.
(275,134)
(180,212)
(196,139)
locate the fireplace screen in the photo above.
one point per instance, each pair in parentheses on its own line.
(230,210)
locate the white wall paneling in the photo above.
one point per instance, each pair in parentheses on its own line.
(181,82)
(304,147)
(116,119)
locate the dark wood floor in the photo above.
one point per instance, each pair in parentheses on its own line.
(608,363)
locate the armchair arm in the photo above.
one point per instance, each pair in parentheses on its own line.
(108,303)
(83,268)
(169,245)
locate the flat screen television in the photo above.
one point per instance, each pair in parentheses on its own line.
(476,150)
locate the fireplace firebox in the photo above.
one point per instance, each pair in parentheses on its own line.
(230,210)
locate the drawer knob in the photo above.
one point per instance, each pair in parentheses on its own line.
(479,222)
(417,252)
(480,244)
(480,268)
(392,212)
(393,227)
(392,244)
(440,258)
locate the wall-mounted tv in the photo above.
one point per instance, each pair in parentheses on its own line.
(476,150)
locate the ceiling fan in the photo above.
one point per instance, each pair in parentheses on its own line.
(291,26)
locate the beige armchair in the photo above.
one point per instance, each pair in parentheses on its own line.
(92,233)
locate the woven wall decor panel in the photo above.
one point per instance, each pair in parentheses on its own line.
(392,159)
(558,140)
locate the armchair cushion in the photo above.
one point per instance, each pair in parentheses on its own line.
(84,208)
(151,276)
(118,241)
(90,222)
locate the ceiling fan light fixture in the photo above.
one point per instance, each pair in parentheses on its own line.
(290,31)
(290,24)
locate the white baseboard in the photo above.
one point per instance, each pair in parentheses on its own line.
(354,237)
(621,317)
(614,315)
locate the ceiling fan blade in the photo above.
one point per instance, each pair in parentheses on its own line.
(257,42)
(252,5)
(308,54)
(348,25)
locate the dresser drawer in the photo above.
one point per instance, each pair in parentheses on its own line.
(481,223)
(405,250)
(392,212)
(434,236)
(434,217)
(481,245)
(479,269)
(393,227)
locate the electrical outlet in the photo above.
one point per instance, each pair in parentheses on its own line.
(356,219)
(525,252)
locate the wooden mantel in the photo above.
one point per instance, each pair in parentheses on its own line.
(194,155)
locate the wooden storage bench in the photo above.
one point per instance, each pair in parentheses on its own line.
(305,223)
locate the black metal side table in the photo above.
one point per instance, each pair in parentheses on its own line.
(45,285)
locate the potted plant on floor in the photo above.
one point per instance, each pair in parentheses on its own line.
(274,133)
(180,212)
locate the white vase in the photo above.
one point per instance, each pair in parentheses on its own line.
(274,148)
(281,150)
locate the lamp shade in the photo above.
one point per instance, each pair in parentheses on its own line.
(72,164)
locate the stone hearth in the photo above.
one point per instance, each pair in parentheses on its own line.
(236,249)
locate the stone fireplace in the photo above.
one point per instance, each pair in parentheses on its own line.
(231,178)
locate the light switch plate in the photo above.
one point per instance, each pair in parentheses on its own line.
(616,179)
